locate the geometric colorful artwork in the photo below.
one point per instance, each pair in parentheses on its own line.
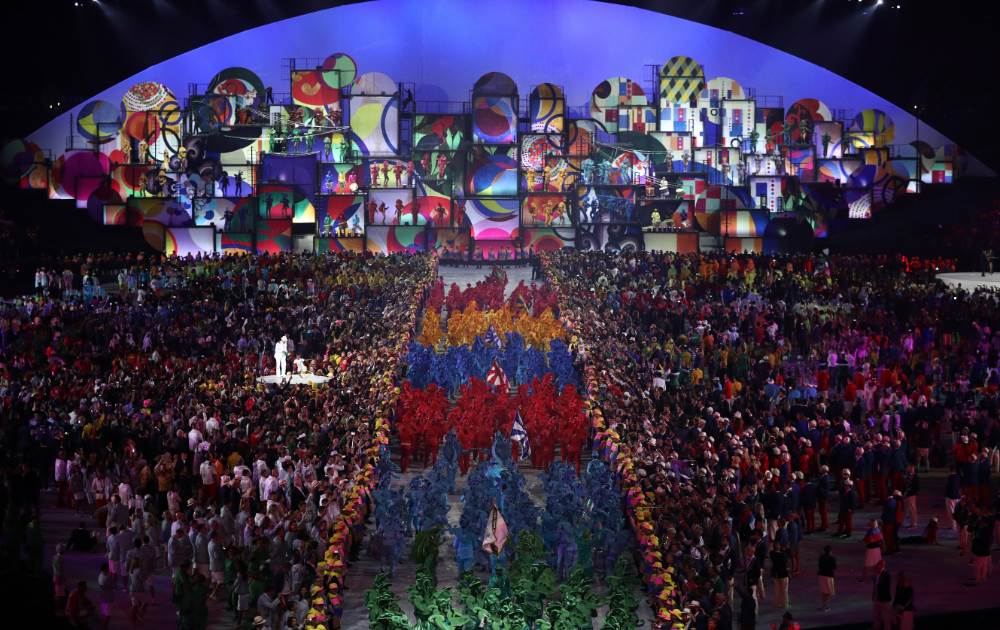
(189,241)
(395,239)
(736,245)
(619,104)
(492,219)
(547,239)
(737,123)
(720,165)
(99,121)
(234,243)
(273,236)
(494,120)
(800,161)
(772,192)
(438,132)
(681,81)
(870,128)
(744,222)
(170,164)
(838,170)
(454,240)
(374,114)
(492,171)
(859,203)
(610,237)
(162,210)
(547,109)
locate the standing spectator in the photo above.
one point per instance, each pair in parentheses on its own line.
(793,531)
(114,554)
(890,521)
(723,612)
(848,503)
(209,490)
(873,549)
(882,599)
(61,478)
(822,493)
(137,592)
(106,590)
(983,478)
(779,573)
(952,493)
(827,570)
(216,562)
(903,602)
(982,542)
(78,606)
(963,516)
(180,550)
(748,609)
(58,574)
(911,488)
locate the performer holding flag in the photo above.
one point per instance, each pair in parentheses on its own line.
(495,538)
(492,338)
(520,437)
(496,378)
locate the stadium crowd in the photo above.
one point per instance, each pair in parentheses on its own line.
(752,400)
(143,412)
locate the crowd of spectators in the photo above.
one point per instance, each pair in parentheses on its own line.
(752,399)
(142,411)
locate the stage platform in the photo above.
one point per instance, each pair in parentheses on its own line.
(294,379)
(971,280)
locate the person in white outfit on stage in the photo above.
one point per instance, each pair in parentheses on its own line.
(280,355)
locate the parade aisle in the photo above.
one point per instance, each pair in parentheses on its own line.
(362,572)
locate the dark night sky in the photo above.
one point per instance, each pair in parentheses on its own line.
(938,55)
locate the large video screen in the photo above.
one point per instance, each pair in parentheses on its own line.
(441,169)
(233,243)
(491,219)
(494,119)
(492,172)
(828,137)
(340,215)
(800,161)
(545,210)
(773,193)
(396,239)
(375,123)
(548,239)
(340,178)
(392,206)
(274,236)
(596,204)
(189,241)
(282,201)
(547,109)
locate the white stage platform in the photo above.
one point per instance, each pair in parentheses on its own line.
(971,280)
(294,379)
